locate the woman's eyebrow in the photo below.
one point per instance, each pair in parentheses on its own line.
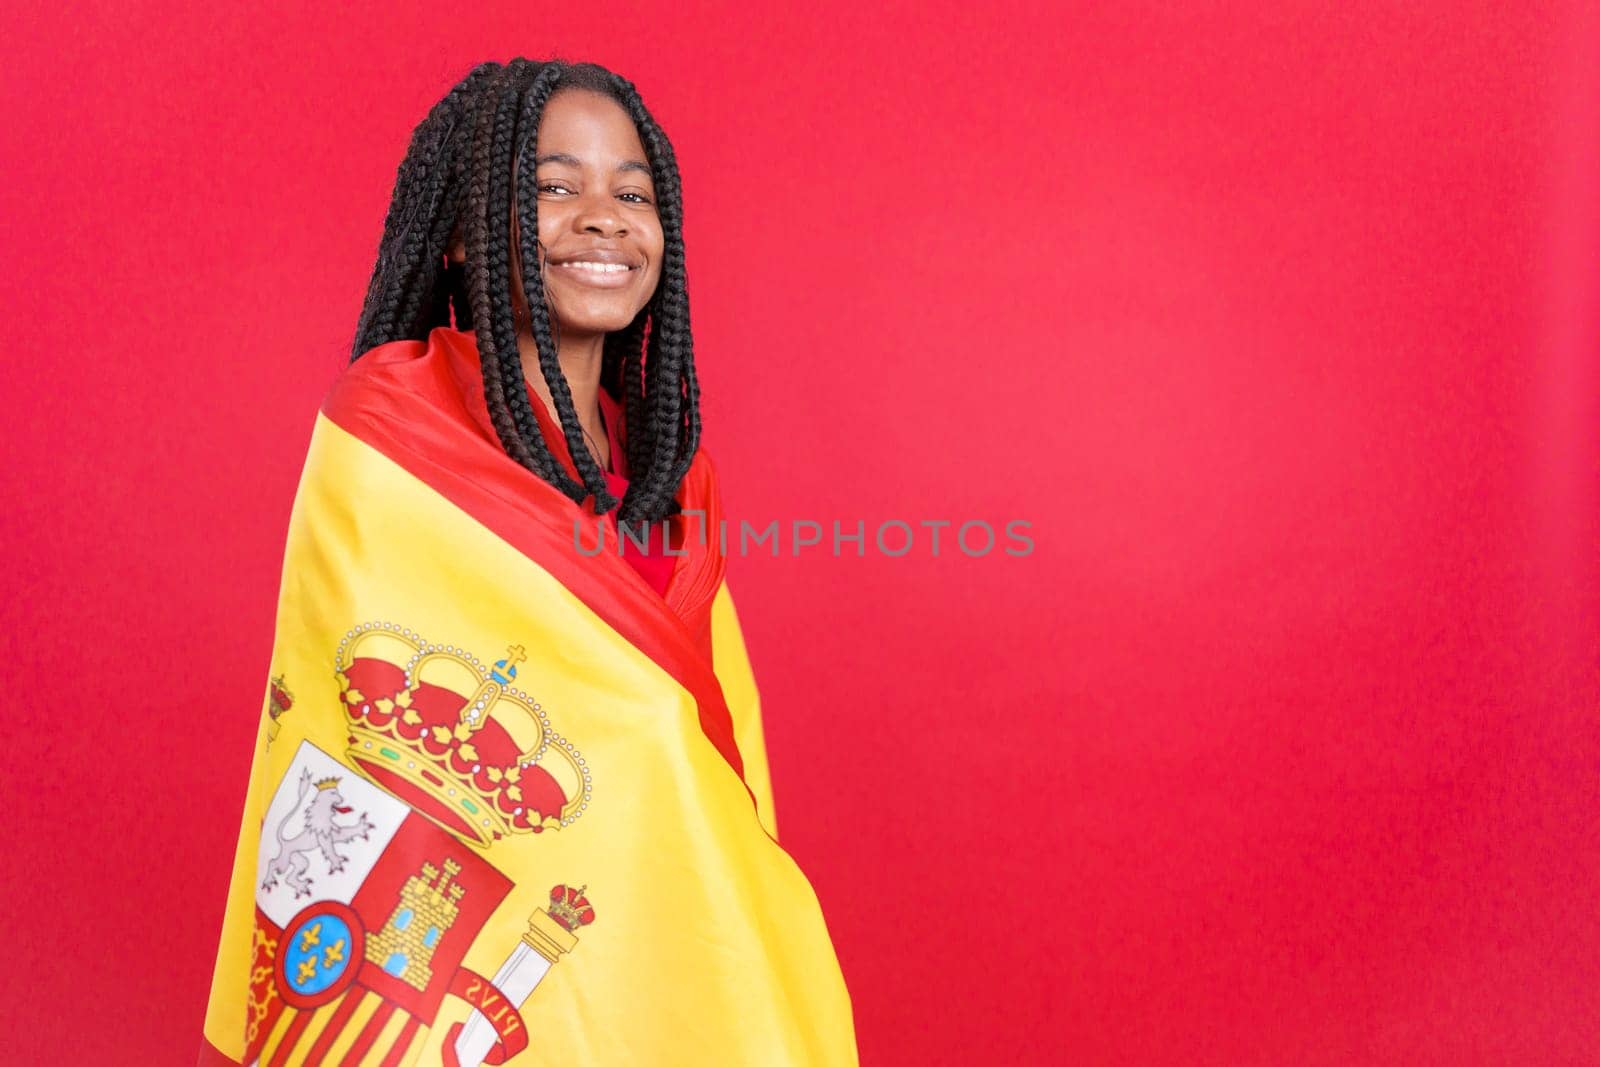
(574,161)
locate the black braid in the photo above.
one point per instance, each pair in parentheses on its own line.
(665,433)
(403,271)
(484,309)
(456,181)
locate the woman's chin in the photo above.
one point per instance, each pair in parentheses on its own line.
(592,320)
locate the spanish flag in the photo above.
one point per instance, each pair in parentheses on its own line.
(508,804)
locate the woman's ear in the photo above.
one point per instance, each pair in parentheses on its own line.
(456,250)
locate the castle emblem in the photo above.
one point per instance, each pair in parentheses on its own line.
(322,833)
(454,738)
(429,904)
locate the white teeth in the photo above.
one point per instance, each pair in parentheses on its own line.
(599,268)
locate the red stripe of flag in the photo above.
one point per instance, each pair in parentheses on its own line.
(368,1035)
(401,1043)
(330,1033)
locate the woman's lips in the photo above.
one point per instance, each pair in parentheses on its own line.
(596,275)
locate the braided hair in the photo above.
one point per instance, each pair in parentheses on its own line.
(456,180)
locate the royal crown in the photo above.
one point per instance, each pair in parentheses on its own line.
(453,738)
(570,907)
(279,700)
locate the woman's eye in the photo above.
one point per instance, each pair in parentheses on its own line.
(557,187)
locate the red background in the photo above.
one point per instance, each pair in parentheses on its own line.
(1279,327)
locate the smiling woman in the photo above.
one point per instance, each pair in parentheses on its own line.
(526,816)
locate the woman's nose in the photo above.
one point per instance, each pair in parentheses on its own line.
(597,213)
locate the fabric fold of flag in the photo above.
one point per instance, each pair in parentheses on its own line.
(507,803)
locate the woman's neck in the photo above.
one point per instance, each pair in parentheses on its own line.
(580,359)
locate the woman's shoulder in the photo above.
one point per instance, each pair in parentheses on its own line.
(439,372)
(442,354)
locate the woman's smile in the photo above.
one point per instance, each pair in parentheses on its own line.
(597,273)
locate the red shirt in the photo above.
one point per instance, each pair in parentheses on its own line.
(653,563)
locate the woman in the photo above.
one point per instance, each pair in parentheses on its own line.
(525,816)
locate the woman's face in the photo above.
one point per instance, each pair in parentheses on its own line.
(599,232)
